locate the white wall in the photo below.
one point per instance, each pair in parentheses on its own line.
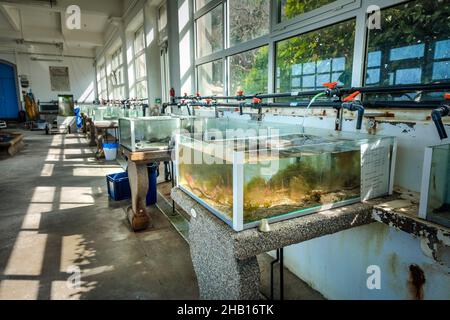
(81,74)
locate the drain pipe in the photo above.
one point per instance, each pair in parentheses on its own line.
(349,103)
(437,115)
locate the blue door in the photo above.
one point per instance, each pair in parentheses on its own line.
(9,107)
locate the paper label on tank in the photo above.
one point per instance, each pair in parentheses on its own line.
(375,169)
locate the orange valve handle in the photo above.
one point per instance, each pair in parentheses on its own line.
(447,96)
(351,97)
(330,85)
(240,93)
(256,100)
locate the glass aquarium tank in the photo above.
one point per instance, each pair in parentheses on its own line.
(435,193)
(148,133)
(276,177)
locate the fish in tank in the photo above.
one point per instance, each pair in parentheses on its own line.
(310,172)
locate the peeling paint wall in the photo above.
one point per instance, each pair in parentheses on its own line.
(336,265)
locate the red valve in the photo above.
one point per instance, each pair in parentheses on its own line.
(240,93)
(447,96)
(351,97)
(208,101)
(256,100)
(172,92)
(330,85)
(198,94)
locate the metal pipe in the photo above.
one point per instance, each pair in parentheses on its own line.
(355,106)
(437,115)
(438,86)
(272,264)
(281,274)
(321,104)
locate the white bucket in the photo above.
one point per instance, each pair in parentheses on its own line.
(110,150)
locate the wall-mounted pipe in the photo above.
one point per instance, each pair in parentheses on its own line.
(331,91)
(437,115)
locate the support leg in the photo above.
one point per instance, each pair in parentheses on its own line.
(220,275)
(100,138)
(91,134)
(137,214)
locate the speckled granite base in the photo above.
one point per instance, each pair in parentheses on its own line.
(225,260)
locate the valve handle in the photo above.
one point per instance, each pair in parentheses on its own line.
(208,101)
(447,96)
(330,85)
(172,92)
(240,93)
(351,97)
(198,94)
(256,100)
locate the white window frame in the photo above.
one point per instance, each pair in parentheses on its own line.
(136,55)
(117,91)
(327,15)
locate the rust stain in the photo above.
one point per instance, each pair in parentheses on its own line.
(416,281)
(412,226)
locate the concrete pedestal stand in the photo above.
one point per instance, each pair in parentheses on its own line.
(225,260)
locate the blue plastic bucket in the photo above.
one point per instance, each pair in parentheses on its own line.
(110,150)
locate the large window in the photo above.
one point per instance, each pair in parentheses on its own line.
(247,66)
(201,3)
(210,78)
(102,82)
(413,46)
(248,71)
(249,19)
(116,77)
(140,65)
(307,61)
(210,32)
(289,9)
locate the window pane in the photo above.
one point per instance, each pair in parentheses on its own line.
(306,61)
(210,32)
(413,46)
(141,90)
(292,8)
(141,70)
(248,71)
(249,19)
(201,3)
(210,78)
(139,43)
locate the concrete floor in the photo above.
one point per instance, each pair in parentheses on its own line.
(55,215)
(56,222)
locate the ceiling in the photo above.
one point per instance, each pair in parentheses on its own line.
(39,26)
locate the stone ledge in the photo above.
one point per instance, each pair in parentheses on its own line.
(403,215)
(251,242)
